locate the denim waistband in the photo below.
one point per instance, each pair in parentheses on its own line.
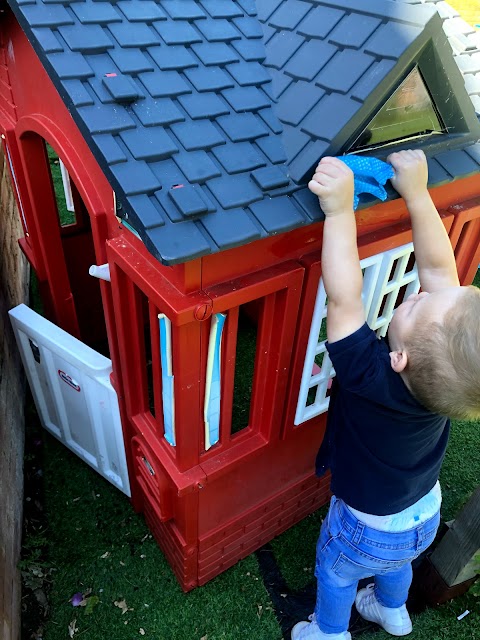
(358,530)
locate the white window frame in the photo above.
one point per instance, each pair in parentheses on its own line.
(380,294)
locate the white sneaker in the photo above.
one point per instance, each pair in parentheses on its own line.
(395,621)
(311,631)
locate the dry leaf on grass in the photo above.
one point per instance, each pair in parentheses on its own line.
(121,604)
(72,628)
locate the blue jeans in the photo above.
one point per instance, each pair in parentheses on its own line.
(348,550)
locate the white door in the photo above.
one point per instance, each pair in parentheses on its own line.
(75,400)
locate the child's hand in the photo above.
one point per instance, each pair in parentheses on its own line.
(411,173)
(333,184)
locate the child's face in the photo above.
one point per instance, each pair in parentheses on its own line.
(418,310)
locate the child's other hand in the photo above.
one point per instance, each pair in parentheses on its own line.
(333,184)
(411,173)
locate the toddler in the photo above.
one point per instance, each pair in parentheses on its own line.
(387,426)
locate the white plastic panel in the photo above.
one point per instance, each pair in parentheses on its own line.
(384,277)
(67,187)
(75,400)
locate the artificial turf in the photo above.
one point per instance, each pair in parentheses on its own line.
(97,543)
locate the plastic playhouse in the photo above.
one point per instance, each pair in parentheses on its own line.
(182,352)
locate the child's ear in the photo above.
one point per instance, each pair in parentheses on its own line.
(398,360)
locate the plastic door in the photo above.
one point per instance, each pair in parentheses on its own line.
(75,400)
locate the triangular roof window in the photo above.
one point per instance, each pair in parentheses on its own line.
(409,114)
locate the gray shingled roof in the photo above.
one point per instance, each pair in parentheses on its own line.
(208,116)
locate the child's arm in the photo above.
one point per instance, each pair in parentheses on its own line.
(433,251)
(342,276)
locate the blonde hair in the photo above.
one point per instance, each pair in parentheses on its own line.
(443,369)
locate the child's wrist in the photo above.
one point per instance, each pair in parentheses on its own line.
(417,199)
(335,213)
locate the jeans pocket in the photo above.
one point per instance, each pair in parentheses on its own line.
(363,566)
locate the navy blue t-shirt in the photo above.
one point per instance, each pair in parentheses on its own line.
(383,447)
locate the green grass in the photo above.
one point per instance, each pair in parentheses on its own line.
(88,519)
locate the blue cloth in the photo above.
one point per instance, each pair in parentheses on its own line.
(383,447)
(348,551)
(370,175)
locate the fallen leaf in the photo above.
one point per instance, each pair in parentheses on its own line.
(41,598)
(92,602)
(121,604)
(72,628)
(37,635)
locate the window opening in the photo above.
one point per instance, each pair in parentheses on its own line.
(388,278)
(66,217)
(388,289)
(312,395)
(145,352)
(409,113)
(149,368)
(79,254)
(244,365)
